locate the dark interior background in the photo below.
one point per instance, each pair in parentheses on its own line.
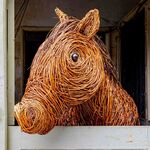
(32,41)
(133,60)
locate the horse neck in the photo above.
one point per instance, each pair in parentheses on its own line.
(110,106)
(117,107)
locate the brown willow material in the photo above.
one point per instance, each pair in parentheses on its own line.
(61,91)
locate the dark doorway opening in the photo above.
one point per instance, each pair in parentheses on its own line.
(133,60)
(32,41)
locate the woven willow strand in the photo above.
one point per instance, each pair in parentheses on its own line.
(60,91)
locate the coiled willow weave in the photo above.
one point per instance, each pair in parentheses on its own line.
(72,81)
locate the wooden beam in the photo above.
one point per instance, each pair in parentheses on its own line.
(140,6)
(87,137)
(3,83)
(116,51)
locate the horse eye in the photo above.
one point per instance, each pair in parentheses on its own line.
(74,56)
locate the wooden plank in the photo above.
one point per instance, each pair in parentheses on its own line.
(11,62)
(140,6)
(116,51)
(82,138)
(147,67)
(107,41)
(3,99)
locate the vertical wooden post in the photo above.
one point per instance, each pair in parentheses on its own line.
(147,67)
(11,62)
(3,69)
(115,51)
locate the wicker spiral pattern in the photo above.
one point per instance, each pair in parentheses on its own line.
(61,91)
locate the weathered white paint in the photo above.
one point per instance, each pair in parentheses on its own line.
(147,68)
(82,138)
(11,62)
(3,100)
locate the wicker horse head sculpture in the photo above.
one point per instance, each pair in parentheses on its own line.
(72,81)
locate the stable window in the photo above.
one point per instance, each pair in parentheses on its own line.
(119,41)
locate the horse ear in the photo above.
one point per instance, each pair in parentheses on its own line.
(61,15)
(89,25)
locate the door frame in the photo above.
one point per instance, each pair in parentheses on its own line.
(147,58)
(3,75)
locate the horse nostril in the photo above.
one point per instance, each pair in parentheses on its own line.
(75,57)
(31,114)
